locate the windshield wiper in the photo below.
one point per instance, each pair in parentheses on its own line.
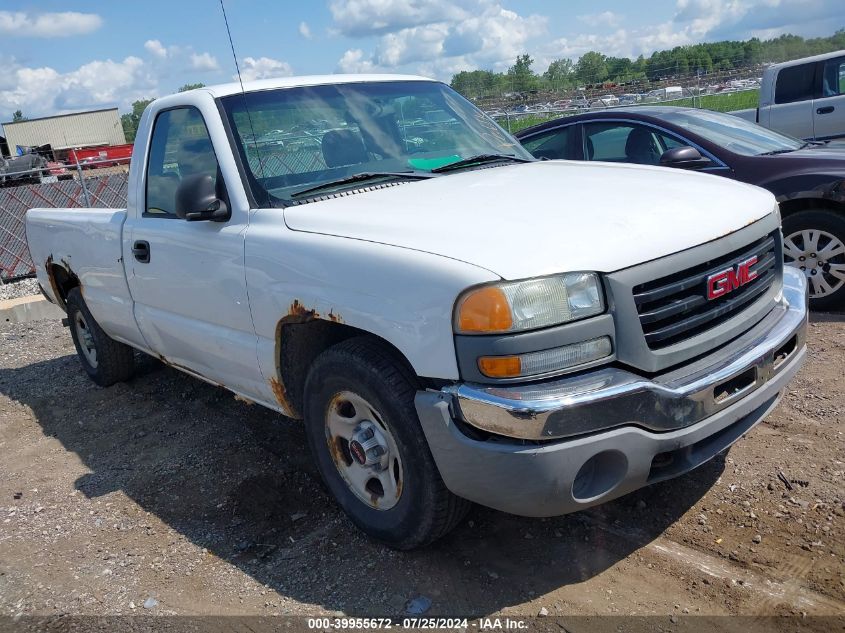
(479,159)
(775,152)
(362,177)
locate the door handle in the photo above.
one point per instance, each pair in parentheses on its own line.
(141,251)
(824,110)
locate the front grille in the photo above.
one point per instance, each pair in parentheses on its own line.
(675,308)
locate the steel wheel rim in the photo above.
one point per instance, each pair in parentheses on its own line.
(86,339)
(820,256)
(351,420)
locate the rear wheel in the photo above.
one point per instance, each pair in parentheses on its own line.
(105,360)
(814,242)
(369,447)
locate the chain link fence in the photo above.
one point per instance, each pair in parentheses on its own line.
(87,188)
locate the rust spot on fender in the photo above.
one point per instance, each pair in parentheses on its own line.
(52,279)
(300,312)
(54,283)
(281,395)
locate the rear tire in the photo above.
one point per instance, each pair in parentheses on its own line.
(105,360)
(818,236)
(359,406)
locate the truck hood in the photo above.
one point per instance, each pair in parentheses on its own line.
(540,218)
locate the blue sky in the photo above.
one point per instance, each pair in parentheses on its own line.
(61,56)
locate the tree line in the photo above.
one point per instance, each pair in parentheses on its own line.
(594,67)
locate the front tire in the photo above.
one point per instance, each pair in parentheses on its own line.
(371,452)
(105,360)
(814,242)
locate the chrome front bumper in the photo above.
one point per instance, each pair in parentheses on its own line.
(609,398)
(631,431)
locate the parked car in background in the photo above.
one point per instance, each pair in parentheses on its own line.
(665,94)
(807,178)
(804,98)
(59,170)
(22,170)
(606,101)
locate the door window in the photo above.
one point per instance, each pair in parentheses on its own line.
(555,144)
(795,83)
(833,78)
(180,147)
(626,143)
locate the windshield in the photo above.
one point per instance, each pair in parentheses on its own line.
(294,139)
(729,131)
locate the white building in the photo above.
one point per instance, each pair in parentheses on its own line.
(65,131)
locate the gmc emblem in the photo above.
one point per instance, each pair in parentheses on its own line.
(728,280)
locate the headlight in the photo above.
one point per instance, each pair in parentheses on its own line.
(515,306)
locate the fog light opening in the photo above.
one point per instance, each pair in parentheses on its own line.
(599,475)
(784,352)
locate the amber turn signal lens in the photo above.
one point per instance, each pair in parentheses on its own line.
(485,310)
(500,366)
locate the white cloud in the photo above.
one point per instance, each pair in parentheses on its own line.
(167,59)
(156,48)
(263,68)
(305,30)
(204,62)
(739,19)
(702,20)
(361,18)
(607,18)
(438,36)
(354,61)
(44,90)
(64,24)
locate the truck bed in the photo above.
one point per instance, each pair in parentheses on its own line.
(87,244)
(749,114)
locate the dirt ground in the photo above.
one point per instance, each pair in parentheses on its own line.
(167,496)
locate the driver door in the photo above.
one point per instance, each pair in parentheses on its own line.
(187,278)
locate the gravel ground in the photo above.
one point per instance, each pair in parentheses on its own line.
(20,288)
(165,495)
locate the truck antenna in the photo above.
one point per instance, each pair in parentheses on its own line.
(243,92)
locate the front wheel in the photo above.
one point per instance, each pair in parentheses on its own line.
(814,242)
(365,435)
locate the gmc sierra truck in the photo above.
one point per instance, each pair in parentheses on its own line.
(804,98)
(376,257)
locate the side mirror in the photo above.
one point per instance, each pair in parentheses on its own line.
(196,200)
(684,158)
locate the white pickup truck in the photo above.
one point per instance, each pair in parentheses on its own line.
(804,98)
(454,321)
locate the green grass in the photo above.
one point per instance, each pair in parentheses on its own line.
(517,124)
(719,103)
